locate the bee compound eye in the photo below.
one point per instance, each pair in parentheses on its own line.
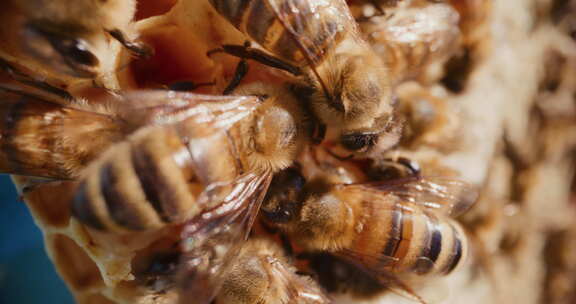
(285,193)
(76,50)
(358,142)
(283,213)
(72,48)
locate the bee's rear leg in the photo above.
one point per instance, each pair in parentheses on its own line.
(239,74)
(247,52)
(140,49)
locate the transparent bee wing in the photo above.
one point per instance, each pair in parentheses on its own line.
(44,139)
(16,74)
(378,267)
(329,21)
(300,289)
(37,131)
(361,259)
(448,196)
(398,286)
(212,239)
(168,107)
(316,28)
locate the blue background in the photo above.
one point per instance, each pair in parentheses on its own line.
(26,274)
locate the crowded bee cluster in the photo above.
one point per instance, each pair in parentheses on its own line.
(258,151)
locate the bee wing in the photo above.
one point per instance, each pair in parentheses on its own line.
(24,78)
(202,121)
(315,26)
(445,195)
(44,139)
(300,289)
(211,240)
(361,259)
(168,107)
(378,268)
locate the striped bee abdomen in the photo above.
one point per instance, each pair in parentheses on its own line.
(410,239)
(425,243)
(138,184)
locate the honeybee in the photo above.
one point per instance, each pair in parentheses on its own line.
(413,36)
(200,161)
(387,228)
(72,37)
(261,274)
(165,143)
(348,86)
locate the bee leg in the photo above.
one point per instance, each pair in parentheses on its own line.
(247,52)
(29,81)
(140,49)
(239,74)
(33,183)
(286,244)
(318,133)
(188,85)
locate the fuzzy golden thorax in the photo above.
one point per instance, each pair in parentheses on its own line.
(325,219)
(272,137)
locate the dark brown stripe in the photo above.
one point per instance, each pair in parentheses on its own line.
(82,208)
(233,10)
(395,235)
(259,21)
(423,265)
(119,207)
(158,191)
(431,248)
(435,242)
(456,252)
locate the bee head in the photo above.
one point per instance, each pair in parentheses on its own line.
(284,197)
(360,103)
(60,47)
(381,136)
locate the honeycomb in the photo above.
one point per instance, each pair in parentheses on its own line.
(492,105)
